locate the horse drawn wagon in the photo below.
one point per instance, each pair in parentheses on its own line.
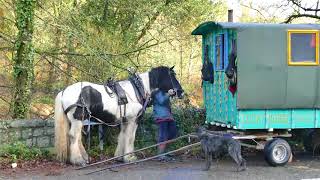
(261,80)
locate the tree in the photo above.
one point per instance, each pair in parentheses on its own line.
(23,57)
(302,8)
(92,40)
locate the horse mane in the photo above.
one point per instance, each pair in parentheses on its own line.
(154,75)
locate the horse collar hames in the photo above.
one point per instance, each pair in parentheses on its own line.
(84,100)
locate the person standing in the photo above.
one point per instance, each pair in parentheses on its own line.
(162,115)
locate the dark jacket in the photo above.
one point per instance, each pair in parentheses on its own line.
(161,106)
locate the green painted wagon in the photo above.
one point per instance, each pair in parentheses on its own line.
(265,78)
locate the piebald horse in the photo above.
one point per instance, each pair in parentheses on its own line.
(75,101)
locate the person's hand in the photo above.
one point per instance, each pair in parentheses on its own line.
(171,92)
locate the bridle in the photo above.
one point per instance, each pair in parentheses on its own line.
(175,90)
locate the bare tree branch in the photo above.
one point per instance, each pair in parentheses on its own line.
(6,37)
(295,16)
(54,65)
(298,4)
(151,21)
(5,100)
(6,49)
(251,7)
(309,12)
(100,54)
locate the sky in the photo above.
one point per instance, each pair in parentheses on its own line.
(267,7)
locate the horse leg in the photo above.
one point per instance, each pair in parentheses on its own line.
(76,157)
(126,140)
(120,146)
(83,152)
(129,140)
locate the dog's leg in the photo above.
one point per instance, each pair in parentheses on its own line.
(243,164)
(234,155)
(208,160)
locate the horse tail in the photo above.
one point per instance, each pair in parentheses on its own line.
(61,125)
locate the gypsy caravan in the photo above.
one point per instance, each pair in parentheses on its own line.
(263,77)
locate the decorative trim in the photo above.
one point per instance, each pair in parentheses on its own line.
(305,62)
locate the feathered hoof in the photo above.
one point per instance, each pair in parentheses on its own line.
(130,158)
(79,161)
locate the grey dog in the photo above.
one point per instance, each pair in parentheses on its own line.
(217,146)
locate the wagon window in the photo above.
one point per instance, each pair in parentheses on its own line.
(219,44)
(303,47)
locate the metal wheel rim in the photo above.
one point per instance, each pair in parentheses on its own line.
(279,153)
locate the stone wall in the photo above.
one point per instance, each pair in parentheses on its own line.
(36,132)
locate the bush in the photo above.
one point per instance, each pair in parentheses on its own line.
(20,151)
(187,117)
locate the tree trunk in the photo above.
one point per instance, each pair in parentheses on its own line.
(181,59)
(23,58)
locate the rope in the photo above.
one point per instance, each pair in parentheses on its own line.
(107,124)
(148,147)
(146,159)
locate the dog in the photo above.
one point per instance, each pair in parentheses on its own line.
(218,146)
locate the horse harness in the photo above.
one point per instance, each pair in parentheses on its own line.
(117,90)
(113,89)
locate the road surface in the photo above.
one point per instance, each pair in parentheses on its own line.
(304,166)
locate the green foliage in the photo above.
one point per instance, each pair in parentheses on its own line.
(187,117)
(66,41)
(20,151)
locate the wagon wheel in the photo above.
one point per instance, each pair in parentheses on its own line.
(277,152)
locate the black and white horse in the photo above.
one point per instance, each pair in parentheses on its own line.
(72,104)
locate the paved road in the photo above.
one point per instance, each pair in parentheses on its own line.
(303,167)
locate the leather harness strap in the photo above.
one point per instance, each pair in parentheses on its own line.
(138,88)
(72,106)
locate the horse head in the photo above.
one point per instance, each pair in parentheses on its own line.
(164,78)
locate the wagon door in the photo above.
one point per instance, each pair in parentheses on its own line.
(207,86)
(219,102)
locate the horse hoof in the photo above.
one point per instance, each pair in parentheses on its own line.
(86,158)
(81,162)
(131,158)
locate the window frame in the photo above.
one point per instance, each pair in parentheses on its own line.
(304,62)
(222,65)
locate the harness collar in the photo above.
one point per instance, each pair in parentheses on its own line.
(139,88)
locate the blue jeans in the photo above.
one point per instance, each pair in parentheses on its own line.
(167,131)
